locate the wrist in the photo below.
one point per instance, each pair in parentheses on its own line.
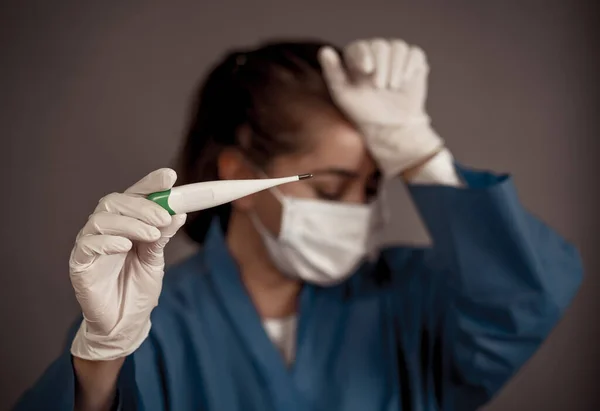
(399,149)
(437,169)
(117,345)
(96,383)
(418,168)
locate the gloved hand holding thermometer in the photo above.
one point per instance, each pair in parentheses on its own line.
(382,87)
(117,264)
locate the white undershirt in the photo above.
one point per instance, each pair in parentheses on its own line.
(282,332)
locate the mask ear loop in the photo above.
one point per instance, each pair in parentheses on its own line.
(274,190)
(254,217)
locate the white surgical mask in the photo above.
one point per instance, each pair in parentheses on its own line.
(320,242)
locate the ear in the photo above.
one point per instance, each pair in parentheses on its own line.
(233,166)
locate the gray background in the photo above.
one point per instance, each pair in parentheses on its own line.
(94,95)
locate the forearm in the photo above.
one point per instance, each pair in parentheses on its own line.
(485,237)
(96,384)
(510,277)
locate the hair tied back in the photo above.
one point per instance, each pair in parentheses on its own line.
(239,60)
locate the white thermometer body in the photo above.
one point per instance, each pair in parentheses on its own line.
(200,196)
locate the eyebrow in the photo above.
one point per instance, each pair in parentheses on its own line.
(336,171)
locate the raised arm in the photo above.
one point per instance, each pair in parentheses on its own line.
(501,281)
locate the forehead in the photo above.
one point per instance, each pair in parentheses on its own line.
(332,142)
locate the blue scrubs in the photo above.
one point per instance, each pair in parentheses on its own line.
(420,329)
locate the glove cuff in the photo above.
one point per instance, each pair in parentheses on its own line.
(104,348)
(397,149)
(439,170)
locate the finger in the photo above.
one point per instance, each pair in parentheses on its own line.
(331,64)
(123,226)
(88,248)
(136,207)
(158,180)
(381,52)
(153,253)
(398,63)
(416,62)
(359,59)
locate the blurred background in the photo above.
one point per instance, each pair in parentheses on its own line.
(95,94)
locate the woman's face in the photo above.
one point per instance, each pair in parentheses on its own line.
(341,166)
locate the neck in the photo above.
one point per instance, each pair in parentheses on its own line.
(273,294)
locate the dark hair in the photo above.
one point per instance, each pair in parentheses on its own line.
(256,89)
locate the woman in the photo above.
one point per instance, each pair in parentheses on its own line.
(288,306)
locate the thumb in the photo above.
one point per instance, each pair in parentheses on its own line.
(153,253)
(158,180)
(331,64)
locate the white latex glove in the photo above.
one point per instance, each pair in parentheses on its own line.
(383,88)
(117,268)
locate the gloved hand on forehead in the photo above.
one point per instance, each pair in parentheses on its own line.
(382,86)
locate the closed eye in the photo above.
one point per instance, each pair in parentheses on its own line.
(329,196)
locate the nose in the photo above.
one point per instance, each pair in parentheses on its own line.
(357,192)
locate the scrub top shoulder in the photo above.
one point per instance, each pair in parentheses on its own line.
(419,329)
